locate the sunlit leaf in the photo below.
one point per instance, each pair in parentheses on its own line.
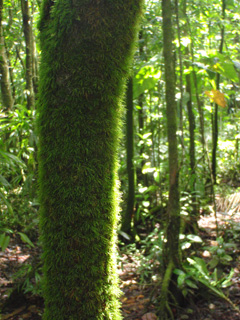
(194,238)
(217,97)
(145,79)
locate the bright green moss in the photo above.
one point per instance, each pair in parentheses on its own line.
(86,49)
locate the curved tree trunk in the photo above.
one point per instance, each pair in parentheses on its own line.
(86,50)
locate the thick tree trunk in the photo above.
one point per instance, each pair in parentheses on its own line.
(86,50)
(128,217)
(6,91)
(28,35)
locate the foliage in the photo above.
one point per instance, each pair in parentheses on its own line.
(196,274)
(198,66)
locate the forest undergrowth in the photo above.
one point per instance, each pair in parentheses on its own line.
(138,265)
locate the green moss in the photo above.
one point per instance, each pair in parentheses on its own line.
(86,49)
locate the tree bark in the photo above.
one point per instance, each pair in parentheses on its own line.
(6,90)
(28,35)
(86,47)
(128,217)
(215,115)
(171,250)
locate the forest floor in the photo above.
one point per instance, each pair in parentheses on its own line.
(137,299)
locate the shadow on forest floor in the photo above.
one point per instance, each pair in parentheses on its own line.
(136,303)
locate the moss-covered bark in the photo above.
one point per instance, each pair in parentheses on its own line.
(86,49)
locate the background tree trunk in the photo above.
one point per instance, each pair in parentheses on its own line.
(128,217)
(86,50)
(6,91)
(215,115)
(28,34)
(171,251)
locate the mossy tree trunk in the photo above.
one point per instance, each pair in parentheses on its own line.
(86,47)
(171,252)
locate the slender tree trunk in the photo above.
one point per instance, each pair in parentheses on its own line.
(191,122)
(27,29)
(215,116)
(171,250)
(86,47)
(35,58)
(142,178)
(181,76)
(128,217)
(6,91)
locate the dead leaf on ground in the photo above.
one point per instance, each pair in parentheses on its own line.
(149,316)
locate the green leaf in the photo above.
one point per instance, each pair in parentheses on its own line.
(194,238)
(214,262)
(156,176)
(124,234)
(181,279)
(146,79)
(185,245)
(178,271)
(4,241)
(227,70)
(4,182)
(191,284)
(227,258)
(25,239)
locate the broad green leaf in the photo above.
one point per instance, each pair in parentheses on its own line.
(178,271)
(201,265)
(25,239)
(227,70)
(146,79)
(4,241)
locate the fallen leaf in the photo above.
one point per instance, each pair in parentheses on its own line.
(149,316)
